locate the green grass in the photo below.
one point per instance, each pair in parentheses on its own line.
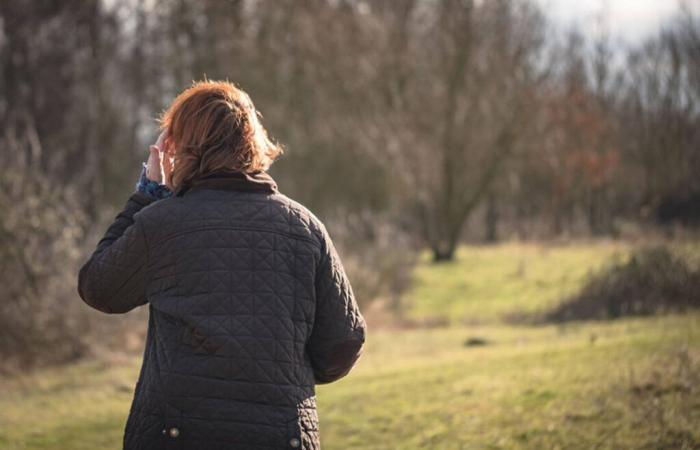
(633,383)
(529,388)
(536,388)
(487,283)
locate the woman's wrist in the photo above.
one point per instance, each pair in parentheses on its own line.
(150,187)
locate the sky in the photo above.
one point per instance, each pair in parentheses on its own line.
(628,20)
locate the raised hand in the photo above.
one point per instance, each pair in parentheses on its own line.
(159,163)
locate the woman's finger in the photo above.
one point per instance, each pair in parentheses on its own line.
(167,166)
(153,170)
(161,140)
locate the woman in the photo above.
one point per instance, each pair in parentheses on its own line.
(249,304)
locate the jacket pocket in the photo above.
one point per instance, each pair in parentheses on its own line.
(293,434)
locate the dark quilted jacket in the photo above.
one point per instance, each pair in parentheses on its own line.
(249,308)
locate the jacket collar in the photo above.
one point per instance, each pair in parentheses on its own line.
(228,179)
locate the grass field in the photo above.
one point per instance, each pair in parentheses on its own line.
(632,383)
(488,283)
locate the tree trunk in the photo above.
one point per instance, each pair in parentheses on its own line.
(491,218)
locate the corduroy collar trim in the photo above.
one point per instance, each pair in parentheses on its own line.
(227,179)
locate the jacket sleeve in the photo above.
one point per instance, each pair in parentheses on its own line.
(338,334)
(113,280)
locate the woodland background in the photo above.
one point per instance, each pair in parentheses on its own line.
(517,204)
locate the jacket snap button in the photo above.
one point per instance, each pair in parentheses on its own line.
(174,432)
(294,442)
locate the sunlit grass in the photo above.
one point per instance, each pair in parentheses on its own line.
(535,388)
(526,389)
(487,283)
(576,386)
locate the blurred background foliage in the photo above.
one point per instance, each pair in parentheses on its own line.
(504,192)
(411,127)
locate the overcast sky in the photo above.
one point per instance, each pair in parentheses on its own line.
(629,20)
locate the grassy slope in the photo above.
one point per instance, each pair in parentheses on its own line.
(486,283)
(589,385)
(532,388)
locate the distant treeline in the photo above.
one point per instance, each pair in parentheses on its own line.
(405,122)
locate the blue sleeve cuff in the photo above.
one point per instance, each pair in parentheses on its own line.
(150,187)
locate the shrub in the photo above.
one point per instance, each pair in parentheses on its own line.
(652,281)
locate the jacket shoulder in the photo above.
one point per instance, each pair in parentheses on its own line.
(303,217)
(280,212)
(153,211)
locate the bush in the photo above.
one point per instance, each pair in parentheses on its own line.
(652,281)
(379,258)
(40,319)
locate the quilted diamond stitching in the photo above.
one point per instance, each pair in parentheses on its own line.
(249,303)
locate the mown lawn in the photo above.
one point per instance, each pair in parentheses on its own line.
(632,383)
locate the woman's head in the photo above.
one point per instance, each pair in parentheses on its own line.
(214,125)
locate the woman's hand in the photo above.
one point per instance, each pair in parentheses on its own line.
(160,164)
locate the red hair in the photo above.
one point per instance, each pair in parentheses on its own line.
(214,125)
